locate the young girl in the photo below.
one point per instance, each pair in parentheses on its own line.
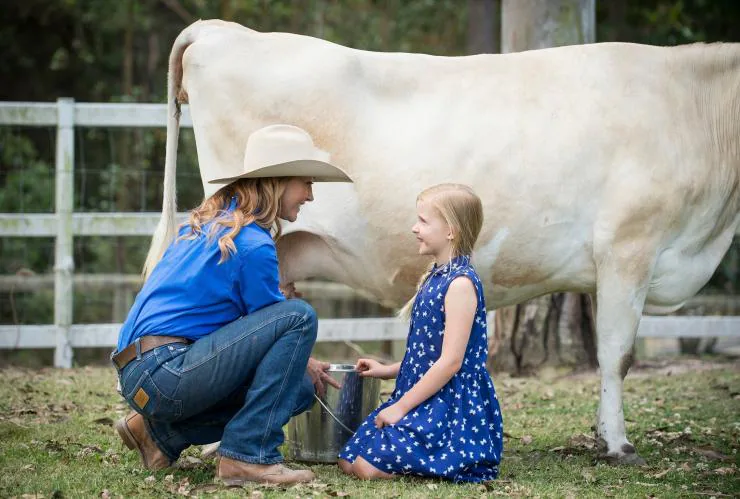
(443,418)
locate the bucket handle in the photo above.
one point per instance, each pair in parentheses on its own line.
(332,414)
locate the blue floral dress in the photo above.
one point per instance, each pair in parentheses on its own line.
(457,433)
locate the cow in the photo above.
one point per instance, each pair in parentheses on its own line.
(611,169)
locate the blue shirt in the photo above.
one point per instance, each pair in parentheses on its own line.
(189,294)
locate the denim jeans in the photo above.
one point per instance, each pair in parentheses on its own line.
(240,384)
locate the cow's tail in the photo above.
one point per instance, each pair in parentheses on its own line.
(166,229)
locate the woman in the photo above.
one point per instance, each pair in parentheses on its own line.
(211,349)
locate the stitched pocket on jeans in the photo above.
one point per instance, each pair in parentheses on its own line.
(149,400)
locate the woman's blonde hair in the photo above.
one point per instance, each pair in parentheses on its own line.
(462,210)
(257,200)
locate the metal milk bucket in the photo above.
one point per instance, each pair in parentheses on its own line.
(318,434)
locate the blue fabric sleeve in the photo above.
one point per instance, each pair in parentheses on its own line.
(259,278)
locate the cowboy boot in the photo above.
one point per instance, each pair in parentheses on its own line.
(133,432)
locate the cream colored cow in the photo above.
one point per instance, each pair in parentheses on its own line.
(610,169)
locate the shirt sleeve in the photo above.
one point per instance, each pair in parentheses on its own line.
(259,278)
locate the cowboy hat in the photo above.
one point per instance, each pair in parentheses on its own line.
(285,151)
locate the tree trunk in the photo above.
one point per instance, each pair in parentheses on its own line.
(537,24)
(484,27)
(559,328)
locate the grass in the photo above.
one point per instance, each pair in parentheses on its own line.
(683,416)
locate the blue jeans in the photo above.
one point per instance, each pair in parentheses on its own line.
(240,384)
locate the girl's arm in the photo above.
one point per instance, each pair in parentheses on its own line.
(374,369)
(460,305)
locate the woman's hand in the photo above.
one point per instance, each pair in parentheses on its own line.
(388,416)
(317,370)
(373,369)
(288,290)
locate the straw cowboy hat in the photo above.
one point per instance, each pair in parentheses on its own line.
(285,151)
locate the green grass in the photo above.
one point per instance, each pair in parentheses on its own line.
(56,440)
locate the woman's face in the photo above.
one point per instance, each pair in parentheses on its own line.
(298,190)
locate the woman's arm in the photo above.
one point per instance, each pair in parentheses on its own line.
(460,306)
(259,284)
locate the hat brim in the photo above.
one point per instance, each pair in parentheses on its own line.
(319,170)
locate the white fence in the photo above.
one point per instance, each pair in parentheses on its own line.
(64,224)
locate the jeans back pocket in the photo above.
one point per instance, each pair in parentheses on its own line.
(147,399)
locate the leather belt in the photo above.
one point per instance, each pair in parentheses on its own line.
(147,343)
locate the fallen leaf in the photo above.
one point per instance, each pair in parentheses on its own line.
(337,493)
(725,471)
(710,453)
(189,462)
(661,474)
(105,494)
(54,446)
(104,421)
(150,479)
(184,487)
(588,476)
(28,467)
(89,450)
(686,467)
(526,439)
(582,441)
(432,486)
(257,494)
(206,489)
(558,449)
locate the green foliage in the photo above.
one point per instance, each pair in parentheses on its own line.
(28,183)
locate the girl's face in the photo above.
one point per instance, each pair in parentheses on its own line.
(298,190)
(432,231)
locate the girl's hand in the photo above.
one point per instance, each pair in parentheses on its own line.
(372,368)
(388,416)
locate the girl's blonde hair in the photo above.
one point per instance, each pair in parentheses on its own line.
(257,200)
(462,210)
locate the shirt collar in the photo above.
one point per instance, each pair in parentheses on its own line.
(456,263)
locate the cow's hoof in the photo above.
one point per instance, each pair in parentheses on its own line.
(621,459)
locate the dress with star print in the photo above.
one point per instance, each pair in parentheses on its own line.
(457,432)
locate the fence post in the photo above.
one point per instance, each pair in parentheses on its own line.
(63,259)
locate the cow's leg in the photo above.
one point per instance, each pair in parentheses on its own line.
(620,299)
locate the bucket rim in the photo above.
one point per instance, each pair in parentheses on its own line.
(342,368)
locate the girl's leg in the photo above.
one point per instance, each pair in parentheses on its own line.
(345,466)
(366,471)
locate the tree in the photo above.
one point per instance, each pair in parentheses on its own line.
(558,328)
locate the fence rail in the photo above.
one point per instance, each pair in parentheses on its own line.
(368,329)
(64,224)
